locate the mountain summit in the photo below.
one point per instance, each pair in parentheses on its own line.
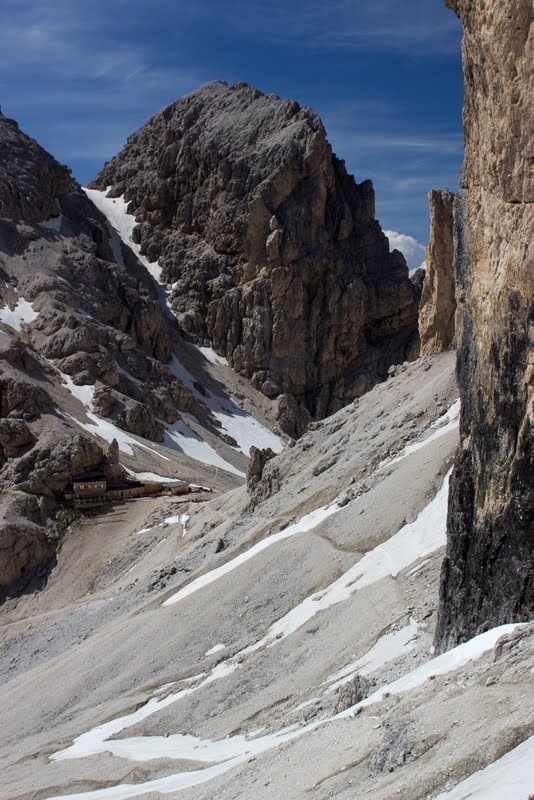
(271,249)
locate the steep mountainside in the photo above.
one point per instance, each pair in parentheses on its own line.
(89,352)
(271,250)
(487,575)
(274,642)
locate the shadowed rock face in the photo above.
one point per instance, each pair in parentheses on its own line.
(486,577)
(438,302)
(272,250)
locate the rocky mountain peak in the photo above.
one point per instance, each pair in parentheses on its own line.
(271,248)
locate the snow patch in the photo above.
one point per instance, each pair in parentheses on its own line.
(512,770)
(180,436)
(100,426)
(210,354)
(304,524)
(388,648)
(22,314)
(447,422)
(441,665)
(115,209)
(414,540)
(215,649)
(236,422)
(150,476)
(509,777)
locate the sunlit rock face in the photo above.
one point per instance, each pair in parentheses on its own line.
(486,575)
(438,301)
(271,249)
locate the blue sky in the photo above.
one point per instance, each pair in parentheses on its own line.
(385,76)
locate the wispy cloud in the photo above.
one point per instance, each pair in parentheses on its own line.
(414,27)
(86,71)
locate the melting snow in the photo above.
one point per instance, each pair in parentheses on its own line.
(305,523)
(241,426)
(413,541)
(441,665)
(22,314)
(215,649)
(115,209)
(448,421)
(388,648)
(509,777)
(212,356)
(180,436)
(150,476)
(103,427)
(511,771)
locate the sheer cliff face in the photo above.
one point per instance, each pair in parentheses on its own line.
(485,578)
(272,250)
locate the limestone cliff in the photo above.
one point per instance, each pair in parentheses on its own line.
(271,248)
(438,301)
(486,577)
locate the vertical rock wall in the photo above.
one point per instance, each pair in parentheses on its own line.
(438,302)
(486,577)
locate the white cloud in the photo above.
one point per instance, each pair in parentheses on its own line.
(412,250)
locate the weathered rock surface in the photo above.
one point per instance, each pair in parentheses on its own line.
(14,435)
(261,482)
(272,250)
(487,573)
(418,279)
(293,417)
(25,547)
(438,301)
(47,469)
(99,316)
(96,316)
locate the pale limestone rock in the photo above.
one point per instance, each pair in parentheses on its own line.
(438,302)
(487,574)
